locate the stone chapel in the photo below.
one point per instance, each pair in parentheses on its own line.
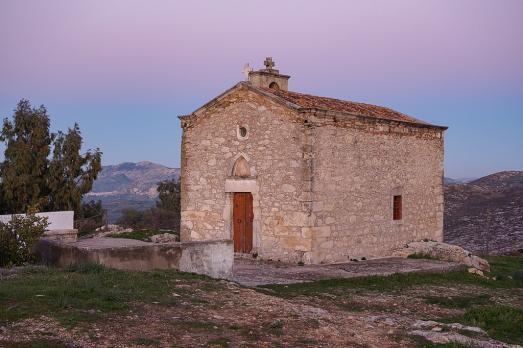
(295,177)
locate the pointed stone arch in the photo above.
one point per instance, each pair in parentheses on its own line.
(241,168)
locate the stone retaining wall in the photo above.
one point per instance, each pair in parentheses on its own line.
(211,258)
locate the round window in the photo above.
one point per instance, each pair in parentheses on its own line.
(243,132)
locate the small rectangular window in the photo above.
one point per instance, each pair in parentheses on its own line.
(397,208)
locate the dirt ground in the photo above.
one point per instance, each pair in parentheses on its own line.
(242,317)
(226,314)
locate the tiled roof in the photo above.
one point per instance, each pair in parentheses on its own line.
(331,104)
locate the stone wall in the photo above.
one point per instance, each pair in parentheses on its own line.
(358,166)
(273,148)
(211,258)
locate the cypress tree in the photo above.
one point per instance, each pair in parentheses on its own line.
(24,169)
(71,174)
(29,179)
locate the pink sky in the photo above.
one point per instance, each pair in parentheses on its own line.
(427,58)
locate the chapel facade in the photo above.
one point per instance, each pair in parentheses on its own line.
(294,177)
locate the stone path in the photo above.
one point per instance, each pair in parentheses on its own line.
(250,272)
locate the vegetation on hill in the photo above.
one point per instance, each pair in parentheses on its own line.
(165,215)
(92,216)
(129,186)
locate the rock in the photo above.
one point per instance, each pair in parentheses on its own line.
(478,263)
(425,324)
(276,324)
(453,337)
(164,238)
(458,326)
(441,333)
(476,271)
(113,228)
(445,252)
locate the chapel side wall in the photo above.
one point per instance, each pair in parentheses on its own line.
(274,150)
(358,167)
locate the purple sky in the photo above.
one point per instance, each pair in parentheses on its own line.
(125,69)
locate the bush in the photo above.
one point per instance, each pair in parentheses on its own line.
(91,216)
(154,218)
(18,238)
(132,218)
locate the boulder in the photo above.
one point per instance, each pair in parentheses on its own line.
(445,252)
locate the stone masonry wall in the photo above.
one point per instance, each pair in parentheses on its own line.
(274,150)
(357,168)
(322,183)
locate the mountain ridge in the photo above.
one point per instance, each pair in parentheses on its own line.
(486,214)
(129,185)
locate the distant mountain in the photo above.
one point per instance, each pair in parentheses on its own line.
(129,185)
(486,215)
(457,181)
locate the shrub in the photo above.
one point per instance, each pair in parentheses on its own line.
(92,216)
(18,238)
(421,256)
(132,218)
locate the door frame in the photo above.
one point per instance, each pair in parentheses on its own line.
(233,185)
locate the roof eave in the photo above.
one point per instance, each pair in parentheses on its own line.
(247,85)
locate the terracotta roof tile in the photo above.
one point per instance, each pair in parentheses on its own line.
(331,104)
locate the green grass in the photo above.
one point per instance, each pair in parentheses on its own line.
(421,342)
(500,322)
(87,292)
(459,301)
(38,343)
(143,235)
(374,283)
(502,267)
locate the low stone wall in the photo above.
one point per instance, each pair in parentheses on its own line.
(211,258)
(69,235)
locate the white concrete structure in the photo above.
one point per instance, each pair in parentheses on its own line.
(61,224)
(58,220)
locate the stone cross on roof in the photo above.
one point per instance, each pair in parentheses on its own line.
(269,64)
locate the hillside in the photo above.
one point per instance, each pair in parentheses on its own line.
(486,215)
(129,185)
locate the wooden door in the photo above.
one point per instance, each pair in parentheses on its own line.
(242,216)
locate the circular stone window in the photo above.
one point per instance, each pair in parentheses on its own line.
(243,132)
